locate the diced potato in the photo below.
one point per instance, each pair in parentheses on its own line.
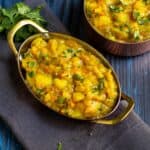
(77,96)
(111,93)
(44,51)
(77,61)
(43,80)
(35,51)
(93,109)
(72,43)
(52,45)
(102,97)
(66,94)
(39,43)
(104,20)
(122,17)
(104,109)
(109,102)
(120,34)
(60,83)
(140,7)
(99,10)
(61,47)
(74,113)
(108,2)
(47,98)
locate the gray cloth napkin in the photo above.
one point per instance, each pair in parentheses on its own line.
(38,128)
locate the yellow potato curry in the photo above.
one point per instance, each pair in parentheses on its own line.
(69,79)
(120,20)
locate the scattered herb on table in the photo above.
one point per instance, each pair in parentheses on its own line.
(10,16)
(59,146)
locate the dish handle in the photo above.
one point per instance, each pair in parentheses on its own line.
(121,116)
(20,24)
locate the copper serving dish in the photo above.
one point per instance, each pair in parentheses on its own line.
(114,47)
(45,34)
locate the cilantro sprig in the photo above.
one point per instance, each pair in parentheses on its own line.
(10,16)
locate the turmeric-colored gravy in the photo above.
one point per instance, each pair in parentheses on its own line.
(69,79)
(121,20)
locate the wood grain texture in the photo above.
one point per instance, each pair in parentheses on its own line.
(134,73)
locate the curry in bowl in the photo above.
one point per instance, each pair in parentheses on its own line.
(69,79)
(120,20)
(69,76)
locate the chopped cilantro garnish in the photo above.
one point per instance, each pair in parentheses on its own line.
(39,91)
(143,20)
(31,74)
(136,15)
(136,35)
(78,77)
(31,64)
(115,9)
(61,100)
(99,86)
(68,53)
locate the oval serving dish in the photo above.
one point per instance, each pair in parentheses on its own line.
(69,76)
(121,27)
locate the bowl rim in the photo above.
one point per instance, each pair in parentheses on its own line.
(90,49)
(100,34)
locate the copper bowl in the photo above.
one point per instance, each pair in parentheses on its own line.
(114,47)
(46,35)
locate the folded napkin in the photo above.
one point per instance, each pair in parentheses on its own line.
(38,128)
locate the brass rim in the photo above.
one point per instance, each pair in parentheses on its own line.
(123,115)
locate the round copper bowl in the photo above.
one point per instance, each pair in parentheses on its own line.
(114,47)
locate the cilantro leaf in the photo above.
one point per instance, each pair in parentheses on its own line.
(116,9)
(10,16)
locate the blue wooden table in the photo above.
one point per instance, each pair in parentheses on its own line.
(134,73)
